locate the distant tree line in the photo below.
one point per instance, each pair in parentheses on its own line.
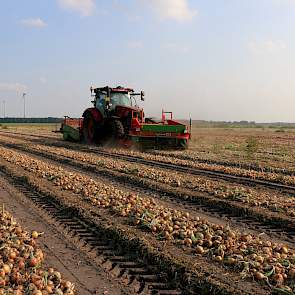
(241,124)
(30,120)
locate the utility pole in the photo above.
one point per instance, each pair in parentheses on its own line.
(24,98)
(3,109)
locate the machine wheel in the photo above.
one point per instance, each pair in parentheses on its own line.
(89,129)
(117,129)
(183,144)
(65,136)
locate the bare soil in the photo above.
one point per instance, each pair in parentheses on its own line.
(60,253)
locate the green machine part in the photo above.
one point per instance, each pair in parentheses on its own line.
(158,140)
(71,133)
(163,128)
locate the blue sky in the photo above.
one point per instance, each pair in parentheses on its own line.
(211,59)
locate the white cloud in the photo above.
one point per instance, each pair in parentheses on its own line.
(84,7)
(135,44)
(173,9)
(266,46)
(13,87)
(33,22)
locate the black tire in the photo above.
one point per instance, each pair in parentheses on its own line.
(117,129)
(89,129)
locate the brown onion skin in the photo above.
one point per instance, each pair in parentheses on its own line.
(21,261)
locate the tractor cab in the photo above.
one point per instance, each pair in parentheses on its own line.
(109,100)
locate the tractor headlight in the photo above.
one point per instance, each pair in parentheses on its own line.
(185,131)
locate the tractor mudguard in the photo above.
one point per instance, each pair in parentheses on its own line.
(95,113)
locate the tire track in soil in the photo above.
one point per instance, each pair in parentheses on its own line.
(133,272)
(60,253)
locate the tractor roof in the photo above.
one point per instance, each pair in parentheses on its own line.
(116,89)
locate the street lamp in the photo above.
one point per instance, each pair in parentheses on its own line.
(24,98)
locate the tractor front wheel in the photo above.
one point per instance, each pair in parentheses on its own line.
(117,129)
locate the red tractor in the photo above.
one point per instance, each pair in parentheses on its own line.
(115,117)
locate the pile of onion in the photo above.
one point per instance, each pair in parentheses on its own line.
(21,270)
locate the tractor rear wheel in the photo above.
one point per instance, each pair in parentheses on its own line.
(89,129)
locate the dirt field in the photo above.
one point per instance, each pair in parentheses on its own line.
(161,222)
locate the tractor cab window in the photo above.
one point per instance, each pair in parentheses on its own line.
(122,99)
(100,103)
(101,98)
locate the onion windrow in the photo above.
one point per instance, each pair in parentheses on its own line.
(191,160)
(273,202)
(251,255)
(233,159)
(161,157)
